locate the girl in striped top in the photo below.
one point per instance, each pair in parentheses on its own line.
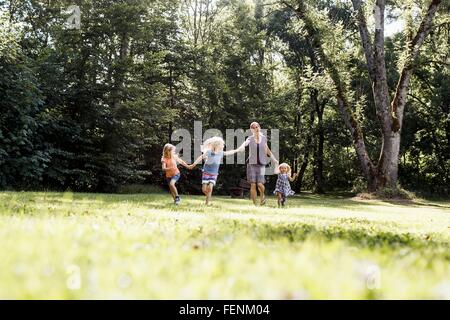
(212,154)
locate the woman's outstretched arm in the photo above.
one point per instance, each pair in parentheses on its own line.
(230,152)
(240,149)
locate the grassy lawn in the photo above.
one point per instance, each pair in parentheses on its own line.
(96,246)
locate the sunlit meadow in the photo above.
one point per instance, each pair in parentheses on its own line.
(97,246)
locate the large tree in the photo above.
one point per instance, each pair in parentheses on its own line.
(389,110)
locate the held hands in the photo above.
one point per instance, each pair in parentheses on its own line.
(276,169)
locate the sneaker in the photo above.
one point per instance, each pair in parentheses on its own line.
(177,200)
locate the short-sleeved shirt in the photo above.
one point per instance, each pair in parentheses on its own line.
(213,161)
(171,166)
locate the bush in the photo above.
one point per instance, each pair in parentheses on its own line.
(360,188)
(359,185)
(395,193)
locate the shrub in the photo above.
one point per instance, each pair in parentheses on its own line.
(395,193)
(359,185)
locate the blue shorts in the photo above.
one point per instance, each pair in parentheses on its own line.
(174,178)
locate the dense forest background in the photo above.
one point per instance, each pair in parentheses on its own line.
(90,109)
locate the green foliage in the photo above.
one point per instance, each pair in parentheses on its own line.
(395,193)
(90,109)
(23,155)
(425,157)
(359,185)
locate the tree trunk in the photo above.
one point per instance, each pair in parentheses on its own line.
(308,147)
(318,165)
(302,171)
(298,184)
(110,140)
(390,116)
(11,10)
(317,108)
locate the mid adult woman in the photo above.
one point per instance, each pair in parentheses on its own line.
(257,161)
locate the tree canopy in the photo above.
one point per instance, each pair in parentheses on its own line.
(90,108)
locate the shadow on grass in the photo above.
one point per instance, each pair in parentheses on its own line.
(351,198)
(400,202)
(164,201)
(299,232)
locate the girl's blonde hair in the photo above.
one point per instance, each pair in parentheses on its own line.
(214,143)
(284,164)
(167,150)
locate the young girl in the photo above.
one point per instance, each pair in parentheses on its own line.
(169,162)
(283,188)
(213,154)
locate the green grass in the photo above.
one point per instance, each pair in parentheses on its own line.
(96,246)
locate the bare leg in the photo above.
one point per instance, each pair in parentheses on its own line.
(209,189)
(279,196)
(253,192)
(262,196)
(170,190)
(205,191)
(173,189)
